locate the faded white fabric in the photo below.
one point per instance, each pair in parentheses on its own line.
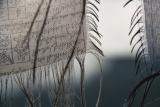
(152,29)
(17,49)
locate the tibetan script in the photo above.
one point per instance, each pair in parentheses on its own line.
(17,48)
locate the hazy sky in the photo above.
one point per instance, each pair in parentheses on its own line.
(114,25)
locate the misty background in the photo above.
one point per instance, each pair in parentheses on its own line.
(118,63)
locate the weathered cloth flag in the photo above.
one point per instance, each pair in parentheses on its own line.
(152,29)
(40,40)
(21,25)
